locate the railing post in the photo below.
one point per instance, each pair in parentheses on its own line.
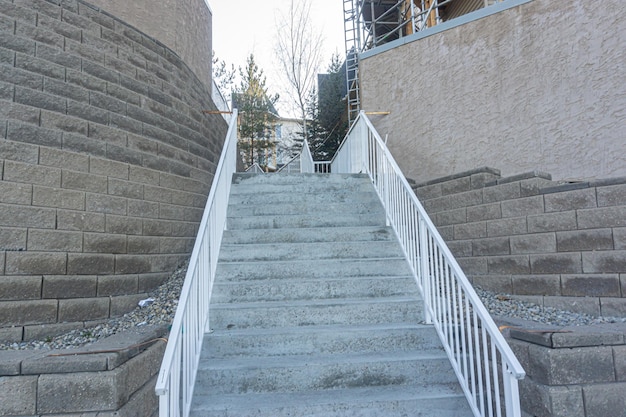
(423,253)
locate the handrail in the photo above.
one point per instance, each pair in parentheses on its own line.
(477,350)
(176,378)
(307,164)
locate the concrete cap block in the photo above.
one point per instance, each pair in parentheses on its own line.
(604,400)
(11,361)
(64,361)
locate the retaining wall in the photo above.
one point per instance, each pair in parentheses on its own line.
(106,159)
(554,244)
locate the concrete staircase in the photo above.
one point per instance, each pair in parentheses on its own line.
(314,311)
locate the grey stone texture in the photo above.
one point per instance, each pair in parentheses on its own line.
(104,152)
(564,243)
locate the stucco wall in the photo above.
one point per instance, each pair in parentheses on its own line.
(184,26)
(538,86)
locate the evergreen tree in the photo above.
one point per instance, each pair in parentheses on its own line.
(257,114)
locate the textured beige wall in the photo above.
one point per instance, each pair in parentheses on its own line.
(184,26)
(539,86)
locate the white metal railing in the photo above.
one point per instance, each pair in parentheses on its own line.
(307,164)
(176,378)
(482,360)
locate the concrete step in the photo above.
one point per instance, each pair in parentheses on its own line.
(440,401)
(322,372)
(298,178)
(358,311)
(313,234)
(317,268)
(295,196)
(320,219)
(285,208)
(322,340)
(307,289)
(302,251)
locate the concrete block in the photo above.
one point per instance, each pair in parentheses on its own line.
(552,222)
(108,135)
(491,246)
(473,266)
(612,195)
(104,243)
(143,244)
(614,216)
(83,144)
(177,212)
(125,123)
(603,400)
(117,285)
(22,113)
(105,102)
(18,44)
(60,57)
(69,286)
(494,283)
(24,216)
(108,168)
(586,336)
(142,144)
(45,364)
(613,307)
(89,264)
(10,362)
(604,261)
(58,197)
(24,312)
(101,203)
(501,192)
(145,176)
(80,392)
(140,208)
(506,227)
(591,285)
(43,7)
(80,220)
(533,243)
(123,225)
(148,282)
(584,305)
(122,304)
(584,240)
(619,238)
(12,239)
(84,182)
(95,15)
(13,288)
(177,244)
(446,232)
(32,174)
(19,151)
(93,114)
(460,248)
(556,401)
(484,212)
(188,229)
(133,264)
(120,66)
(522,206)
(15,193)
(99,71)
(536,284)
(10,334)
(20,77)
(570,200)
(39,34)
(25,14)
(125,188)
(51,120)
(157,228)
(63,159)
(446,218)
(455,186)
(43,67)
(45,240)
(556,263)
(470,231)
(35,263)
(465,199)
(18,395)
(572,366)
(512,264)
(22,132)
(81,79)
(84,309)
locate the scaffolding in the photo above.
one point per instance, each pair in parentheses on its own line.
(372,23)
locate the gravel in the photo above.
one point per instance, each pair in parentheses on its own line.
(162,309)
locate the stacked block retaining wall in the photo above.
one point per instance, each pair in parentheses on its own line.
(106,159)
(558,245)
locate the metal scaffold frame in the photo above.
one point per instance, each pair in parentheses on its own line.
(372,23)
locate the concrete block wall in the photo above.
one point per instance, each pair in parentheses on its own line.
(106,159)
(114,377)
(573,371)
(556,244)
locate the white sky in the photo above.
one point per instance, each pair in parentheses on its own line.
(241,27)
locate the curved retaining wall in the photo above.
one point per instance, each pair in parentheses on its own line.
(106,159)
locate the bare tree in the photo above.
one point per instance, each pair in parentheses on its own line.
(299,51)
